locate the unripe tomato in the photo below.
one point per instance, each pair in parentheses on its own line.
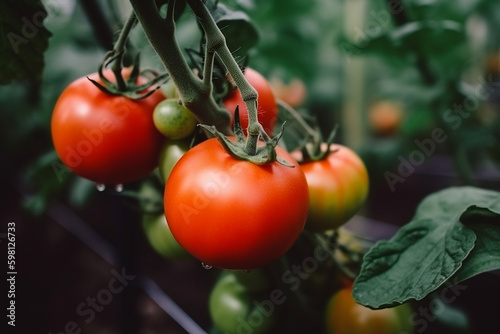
(161,239)
(174,120)
(235,309)
(344,316)
(338,187)
(170,153)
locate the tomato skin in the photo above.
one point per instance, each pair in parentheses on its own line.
(170,153)
(161,239)
(231,213)
(173,120)
(232,309)
(338,187)
(345,316)
(104,138)
(266,102)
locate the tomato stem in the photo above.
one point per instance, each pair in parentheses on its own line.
(216,43)
(194,92)
(119,50)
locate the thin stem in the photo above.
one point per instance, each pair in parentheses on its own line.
(119,49)
(216,42)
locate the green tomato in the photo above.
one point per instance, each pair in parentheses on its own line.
(170,153)
(173,120)
(161,239)
(235,309)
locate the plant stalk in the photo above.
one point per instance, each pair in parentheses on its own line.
(216,42)
(194,94)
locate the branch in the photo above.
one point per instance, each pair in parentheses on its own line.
(194,94)
(216,42)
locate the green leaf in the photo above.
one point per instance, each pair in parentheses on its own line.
(23,40)
(486,254)
(438,243)
(238,29)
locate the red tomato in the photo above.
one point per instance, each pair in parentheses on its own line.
(105,138)
(338,186)
(345,316)
(267,108)
(231,213)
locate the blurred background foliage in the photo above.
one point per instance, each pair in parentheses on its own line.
(341,57)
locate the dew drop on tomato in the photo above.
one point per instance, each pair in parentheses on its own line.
(100,187)
(206,266)
(119,188)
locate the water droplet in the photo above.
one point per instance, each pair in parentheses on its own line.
(119,188)
(100,186)
(206,266)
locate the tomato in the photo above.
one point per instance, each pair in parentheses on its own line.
(235,309)
(105,138)
(173,120)
(338,187)
(344,316)
(267,107)
(385,117)
(170,153)
(161,239)
(294,93)
(231,213)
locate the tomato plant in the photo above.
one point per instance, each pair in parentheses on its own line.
(160,237)
(232,309)
(105,138)
(344,316)
(173,120)
(267,107)
(338,186)
(231,213)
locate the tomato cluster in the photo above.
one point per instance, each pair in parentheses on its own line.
(226,212)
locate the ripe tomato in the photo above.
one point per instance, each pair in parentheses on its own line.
(231,213)
(385,117)
(104,138)
(266,102)
(344,316)
(236,309)
(338,186)
(173,120)
(160,237)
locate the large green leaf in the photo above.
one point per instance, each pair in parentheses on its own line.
(438,246)
(486,254)
(23,40)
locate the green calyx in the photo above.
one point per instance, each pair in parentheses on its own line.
(259,154)
(128,87)
(318,149)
